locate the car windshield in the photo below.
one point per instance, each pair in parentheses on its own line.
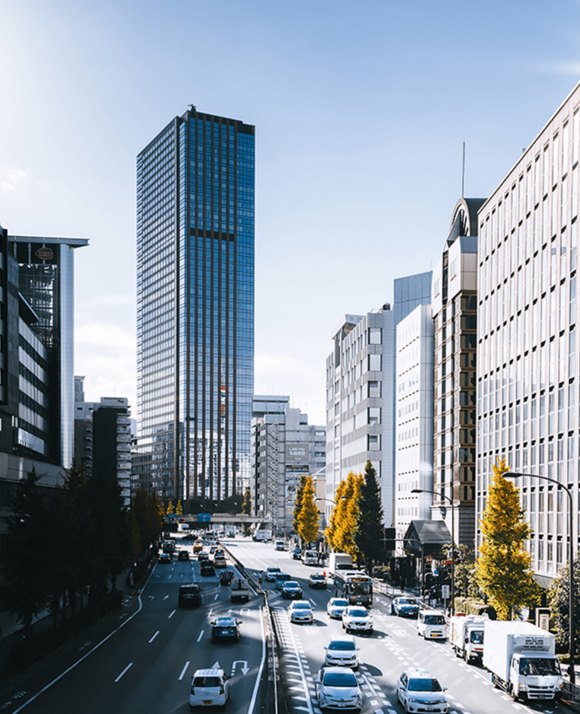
(317,577)
(358,612)
(291,584)
(206,682)
(282,577)
(339,679)
(301,606)
(476,637)
(434,620)
(539,666)
(360,588)
(424,684)
(337,602)
(344,645)
(274,570)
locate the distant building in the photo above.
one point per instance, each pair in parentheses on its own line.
(195,306)
(455,316)
(103,439)
(414,420)
(284,447)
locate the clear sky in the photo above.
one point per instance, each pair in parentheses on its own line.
(360,107)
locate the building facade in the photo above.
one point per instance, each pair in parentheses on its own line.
(195,306)
(414,419)
(455,333)
(528,370)
(284,448)
(359,403)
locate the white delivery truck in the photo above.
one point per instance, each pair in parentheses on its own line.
(520,657)
(466,636)
(339,561)
(262,535)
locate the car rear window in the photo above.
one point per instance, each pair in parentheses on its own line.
(339,679)
(343,645)
(358,612)
(424,685)
(339,603)
(206,682)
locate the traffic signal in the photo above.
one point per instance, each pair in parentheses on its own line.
(389,539)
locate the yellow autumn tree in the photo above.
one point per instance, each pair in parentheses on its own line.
(169,508)
(179,508)
(503,568)
(347,516)
(308,517)
(332,527)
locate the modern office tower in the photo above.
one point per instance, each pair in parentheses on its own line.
(46,282)
(195,306)
(103,439)
(29,391)
(414,419)
(359,403)
(410,292)
(528,370)
(284,447)
(455,331)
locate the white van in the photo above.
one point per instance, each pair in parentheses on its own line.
(209,687)
(310,557)
(431,625)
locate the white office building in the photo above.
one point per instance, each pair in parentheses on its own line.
(359,402)
(528,367)
(414,419)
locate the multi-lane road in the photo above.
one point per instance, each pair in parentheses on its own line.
(146,663)
(393,647)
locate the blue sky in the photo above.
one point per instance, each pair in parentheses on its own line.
(360,107)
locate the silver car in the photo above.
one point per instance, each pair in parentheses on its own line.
(341,652)
(357,619)
(420,691)
(338,688)
(300,611)
(336,606)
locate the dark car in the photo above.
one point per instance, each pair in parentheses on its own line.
(317,580)
(183,555)
(202,555)
(226,577)
(405,607)
(206,568)
(280,579)
(189,595)
(291,590)
(296,553)
(225,629)
(271,572)
(164,558)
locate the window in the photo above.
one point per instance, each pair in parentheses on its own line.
(374,415)
(374,363)
(373,442)
(374,389)
(375,335)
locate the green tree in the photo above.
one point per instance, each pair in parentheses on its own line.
(247,503)
(308,519)
(503,568)
(298,503)
(331,531)
(559,601)
(369,531)
(465,581)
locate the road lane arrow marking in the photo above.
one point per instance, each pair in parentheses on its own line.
(215,665)
(245,669)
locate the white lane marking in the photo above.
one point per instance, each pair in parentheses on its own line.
(166,597)
(90,652)
(127,668)
(154,636)
(216,596)
(171,614)
(259,677)
(200,635)
(183,671)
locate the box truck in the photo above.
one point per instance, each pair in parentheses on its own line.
(339,561)
(466,636)
(521,659)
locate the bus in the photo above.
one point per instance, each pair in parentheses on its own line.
(354,586)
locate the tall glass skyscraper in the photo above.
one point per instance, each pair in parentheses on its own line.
(195,305)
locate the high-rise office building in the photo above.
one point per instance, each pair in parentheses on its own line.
(455,332)
(528,370)
(195,306)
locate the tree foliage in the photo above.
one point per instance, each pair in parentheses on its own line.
(247,502)
(559,605)
(308,518)
(465,582)
(503,568)
(369,533)
(298,503)
(331,530)
(179,508)
(345,516)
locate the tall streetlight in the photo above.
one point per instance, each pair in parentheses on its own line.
(447,498)
(571,624)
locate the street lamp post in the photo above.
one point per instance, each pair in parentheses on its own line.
(447,498)
(571,623)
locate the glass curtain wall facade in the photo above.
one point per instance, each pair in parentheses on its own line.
(528,370)
(195,305)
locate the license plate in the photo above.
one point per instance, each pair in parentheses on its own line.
(206,702)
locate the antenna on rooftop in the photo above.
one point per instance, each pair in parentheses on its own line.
(463,173)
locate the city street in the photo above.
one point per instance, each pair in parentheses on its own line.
(393,647)
(148,664)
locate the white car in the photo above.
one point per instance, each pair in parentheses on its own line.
(336,606)
(341,652)
(357,619)
(300,611)
(420,691)
(209,688)
(338,688)
(432,625)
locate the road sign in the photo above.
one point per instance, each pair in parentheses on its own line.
(445,592)
(204,517)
